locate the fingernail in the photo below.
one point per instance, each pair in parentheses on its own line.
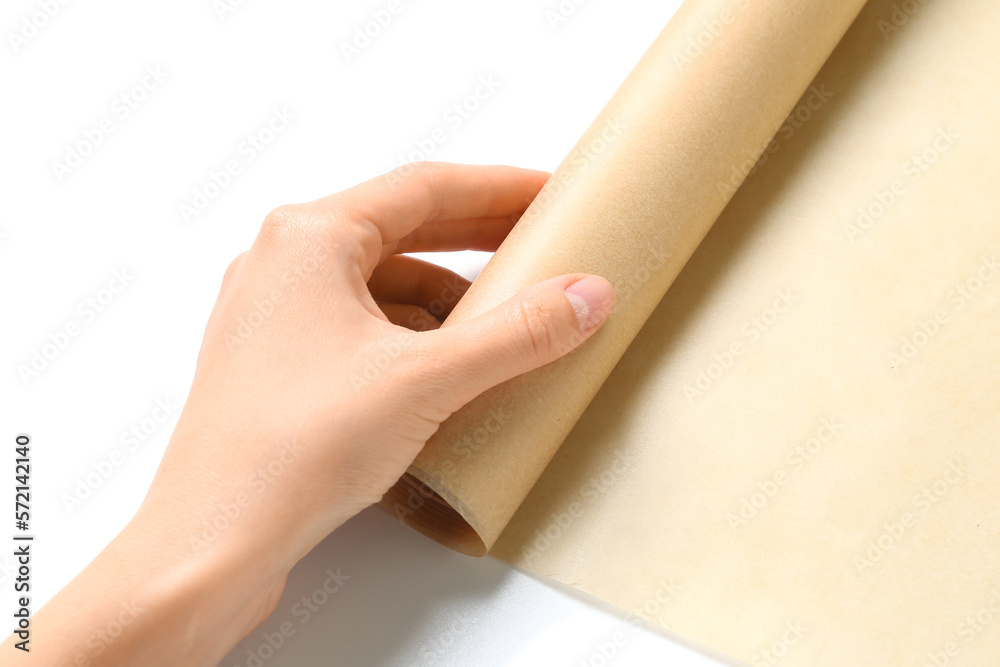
(593,299)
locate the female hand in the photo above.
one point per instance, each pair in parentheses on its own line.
(312,394)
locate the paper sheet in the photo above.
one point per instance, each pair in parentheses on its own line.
(796,461)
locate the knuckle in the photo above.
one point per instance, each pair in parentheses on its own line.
(533,321)
(282,218)
(291,224)
(280,226)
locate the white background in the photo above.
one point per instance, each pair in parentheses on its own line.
(225,69)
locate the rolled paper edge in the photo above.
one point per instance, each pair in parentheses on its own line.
(433,510)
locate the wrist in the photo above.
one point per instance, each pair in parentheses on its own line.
(202,600)
(143,601)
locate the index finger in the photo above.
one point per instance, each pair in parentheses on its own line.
(402,200)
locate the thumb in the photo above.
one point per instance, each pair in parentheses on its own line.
(533,328)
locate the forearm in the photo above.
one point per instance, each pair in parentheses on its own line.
(203,561)
(148,599)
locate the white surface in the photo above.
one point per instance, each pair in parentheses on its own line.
(407,601)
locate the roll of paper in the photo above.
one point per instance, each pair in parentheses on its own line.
(630,203)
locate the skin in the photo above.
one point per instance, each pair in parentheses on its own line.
(291,427)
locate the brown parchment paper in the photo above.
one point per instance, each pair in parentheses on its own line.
(630,203)
(797,462)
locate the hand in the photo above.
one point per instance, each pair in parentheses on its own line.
(313,393)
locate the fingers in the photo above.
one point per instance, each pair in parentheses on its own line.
(399,202)
(484,234)
(362,226)
(408,280)
(533,328)
(356,230)
(409,316)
